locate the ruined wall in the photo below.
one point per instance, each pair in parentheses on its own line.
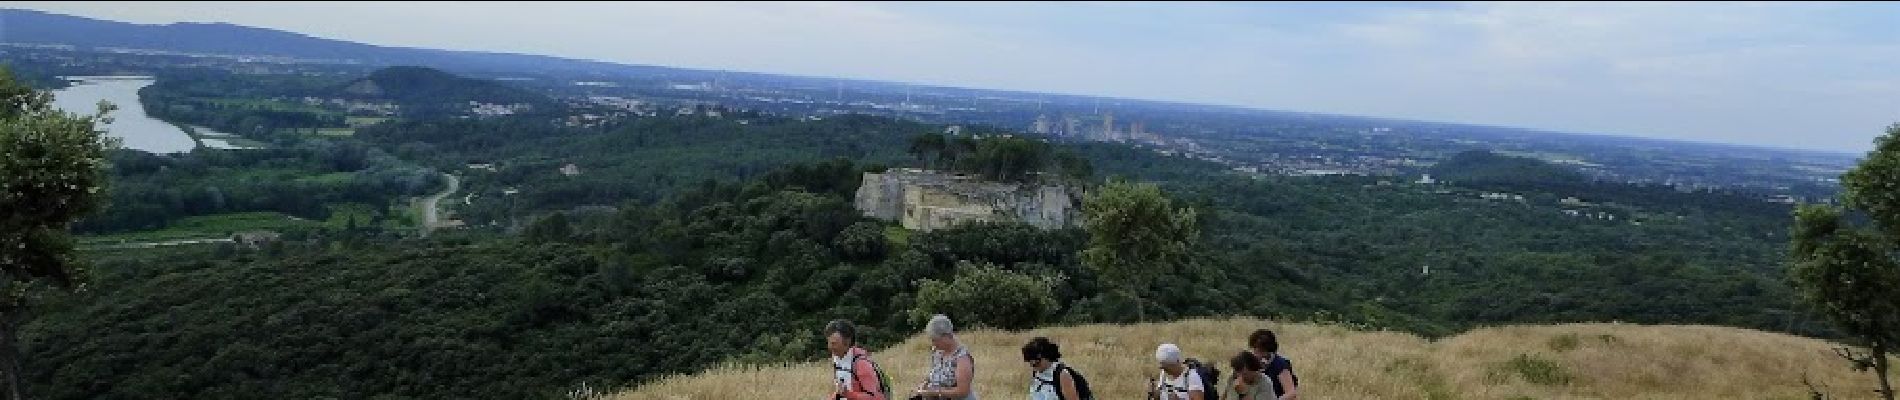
(928,200)
(880,196)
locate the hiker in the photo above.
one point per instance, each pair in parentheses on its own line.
(1250,379)
(952,369)
(1177,381)
(855,377)
(1263,344)
(1049,378)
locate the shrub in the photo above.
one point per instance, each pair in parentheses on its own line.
(1564,342)
(984,295)
(1536,370)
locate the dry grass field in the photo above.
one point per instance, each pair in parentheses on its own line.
(1572,361)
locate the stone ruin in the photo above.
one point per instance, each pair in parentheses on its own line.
(926,200)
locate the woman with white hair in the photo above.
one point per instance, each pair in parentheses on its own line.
(952,369)
(1177,381)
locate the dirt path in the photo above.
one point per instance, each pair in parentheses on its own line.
(431,216)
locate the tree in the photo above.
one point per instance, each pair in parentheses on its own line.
(955,149)
(927,147)
(1135,235)
(987,295)
(553,228)
(52,167)
(1850,272)
(863,241)
(1008,158)
(1073,166)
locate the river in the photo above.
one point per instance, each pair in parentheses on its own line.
(130,123)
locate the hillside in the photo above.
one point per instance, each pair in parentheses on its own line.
(423,91)
(29,26)
(1481,166)
(1532,361)
(709,230)
(415,85)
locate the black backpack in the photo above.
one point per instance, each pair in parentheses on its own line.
(1210,378)
(1081,384)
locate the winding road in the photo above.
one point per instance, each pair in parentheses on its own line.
(147,245)
(431,218)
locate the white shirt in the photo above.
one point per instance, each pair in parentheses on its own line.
(841,367)
(1178,388)
(1039,386)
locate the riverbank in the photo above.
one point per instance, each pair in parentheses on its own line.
(210,138)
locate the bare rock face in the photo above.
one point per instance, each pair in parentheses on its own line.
(928,200)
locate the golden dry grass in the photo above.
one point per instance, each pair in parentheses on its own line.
(1573,361)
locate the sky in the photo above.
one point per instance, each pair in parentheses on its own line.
(1809,75)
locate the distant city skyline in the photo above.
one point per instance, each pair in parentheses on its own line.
(1794,75)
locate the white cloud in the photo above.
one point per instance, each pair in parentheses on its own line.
(1775,74)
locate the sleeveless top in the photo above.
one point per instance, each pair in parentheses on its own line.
(1042,386)
(1276,363)
(943,370)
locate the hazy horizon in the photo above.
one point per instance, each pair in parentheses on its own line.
(1780,75)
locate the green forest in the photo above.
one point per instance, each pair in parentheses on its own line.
(680,232)
(307,181)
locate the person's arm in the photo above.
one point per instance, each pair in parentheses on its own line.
(864,380)
(1197,395)
(1067,385)
(1286,381)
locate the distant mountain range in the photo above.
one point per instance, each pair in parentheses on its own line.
(37,27)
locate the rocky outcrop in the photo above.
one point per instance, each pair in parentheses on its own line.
(928,200)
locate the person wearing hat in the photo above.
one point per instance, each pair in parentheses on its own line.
(1176,381)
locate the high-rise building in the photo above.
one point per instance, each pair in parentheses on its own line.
(1042,125)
